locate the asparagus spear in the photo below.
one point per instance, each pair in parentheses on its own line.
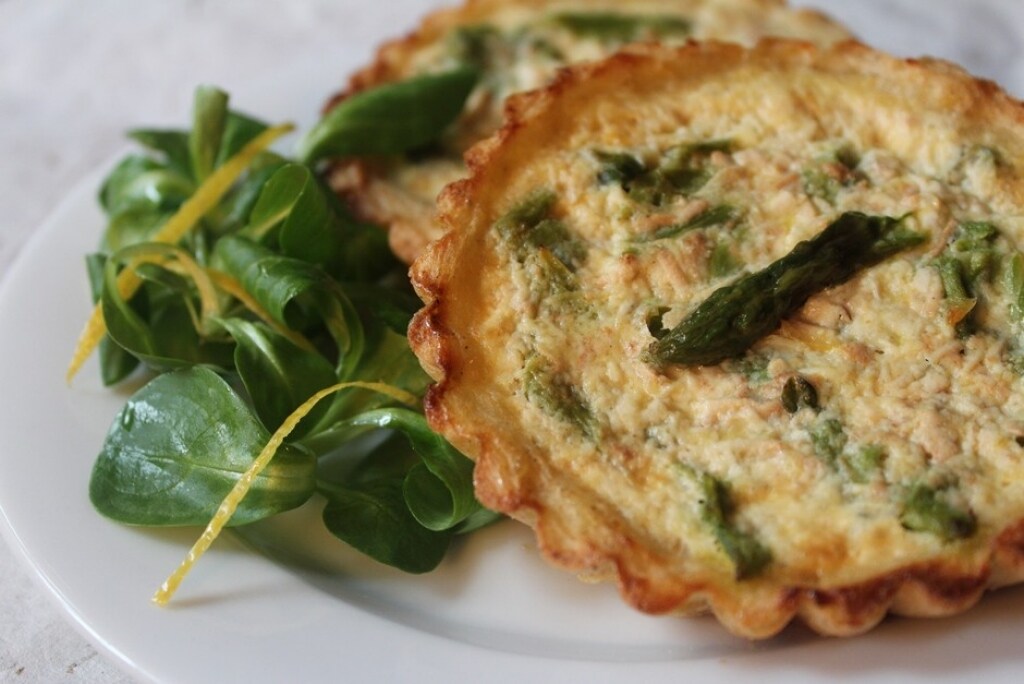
(736,316)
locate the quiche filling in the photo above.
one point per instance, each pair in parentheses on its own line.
(518,49)
(744,332)
(882,403)
(515,46)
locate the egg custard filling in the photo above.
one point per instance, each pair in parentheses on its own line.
(515,46)
(745,330)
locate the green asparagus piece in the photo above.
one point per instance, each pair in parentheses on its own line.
(748,554)
(1013,281)
(829,174)
(616,27)
(973,245)
(753,367)
(556,396)
(529,224)
(681,171)
(721,261)
(818,183)
(829,440)
(736,316)
(711,216)
(858,465)
(964,265)
(654,324)
(475,45)
(925,510)
(617,167)
(798,393)
(862,465)
(958,296)
(525,216)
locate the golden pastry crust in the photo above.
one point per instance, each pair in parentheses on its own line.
(401,194)
(541,380)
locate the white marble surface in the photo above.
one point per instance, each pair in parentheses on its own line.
(75,75)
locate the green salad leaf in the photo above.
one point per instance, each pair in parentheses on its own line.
(370,514)
(209,115)
(278,375)
(391,118)
(299,295)
(172,145)
(180,444)
(168,337)
(292,203)
(278,313)
(116,363)
(438,489)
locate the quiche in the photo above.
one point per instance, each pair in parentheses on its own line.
(519,45)
(745,334)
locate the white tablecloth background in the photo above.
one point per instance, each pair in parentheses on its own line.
(75,75)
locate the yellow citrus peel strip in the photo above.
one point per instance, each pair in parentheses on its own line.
(205,198)
(234,498)
(182,263)
(234,288)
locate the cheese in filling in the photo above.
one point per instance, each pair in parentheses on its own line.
(881,421)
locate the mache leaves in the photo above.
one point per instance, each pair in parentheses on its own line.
(275,296)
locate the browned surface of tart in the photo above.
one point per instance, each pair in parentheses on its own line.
(524,46)
(899,487)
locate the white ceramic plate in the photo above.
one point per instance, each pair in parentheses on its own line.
(289,603)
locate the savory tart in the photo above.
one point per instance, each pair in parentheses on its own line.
(746,333)
(519,45)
